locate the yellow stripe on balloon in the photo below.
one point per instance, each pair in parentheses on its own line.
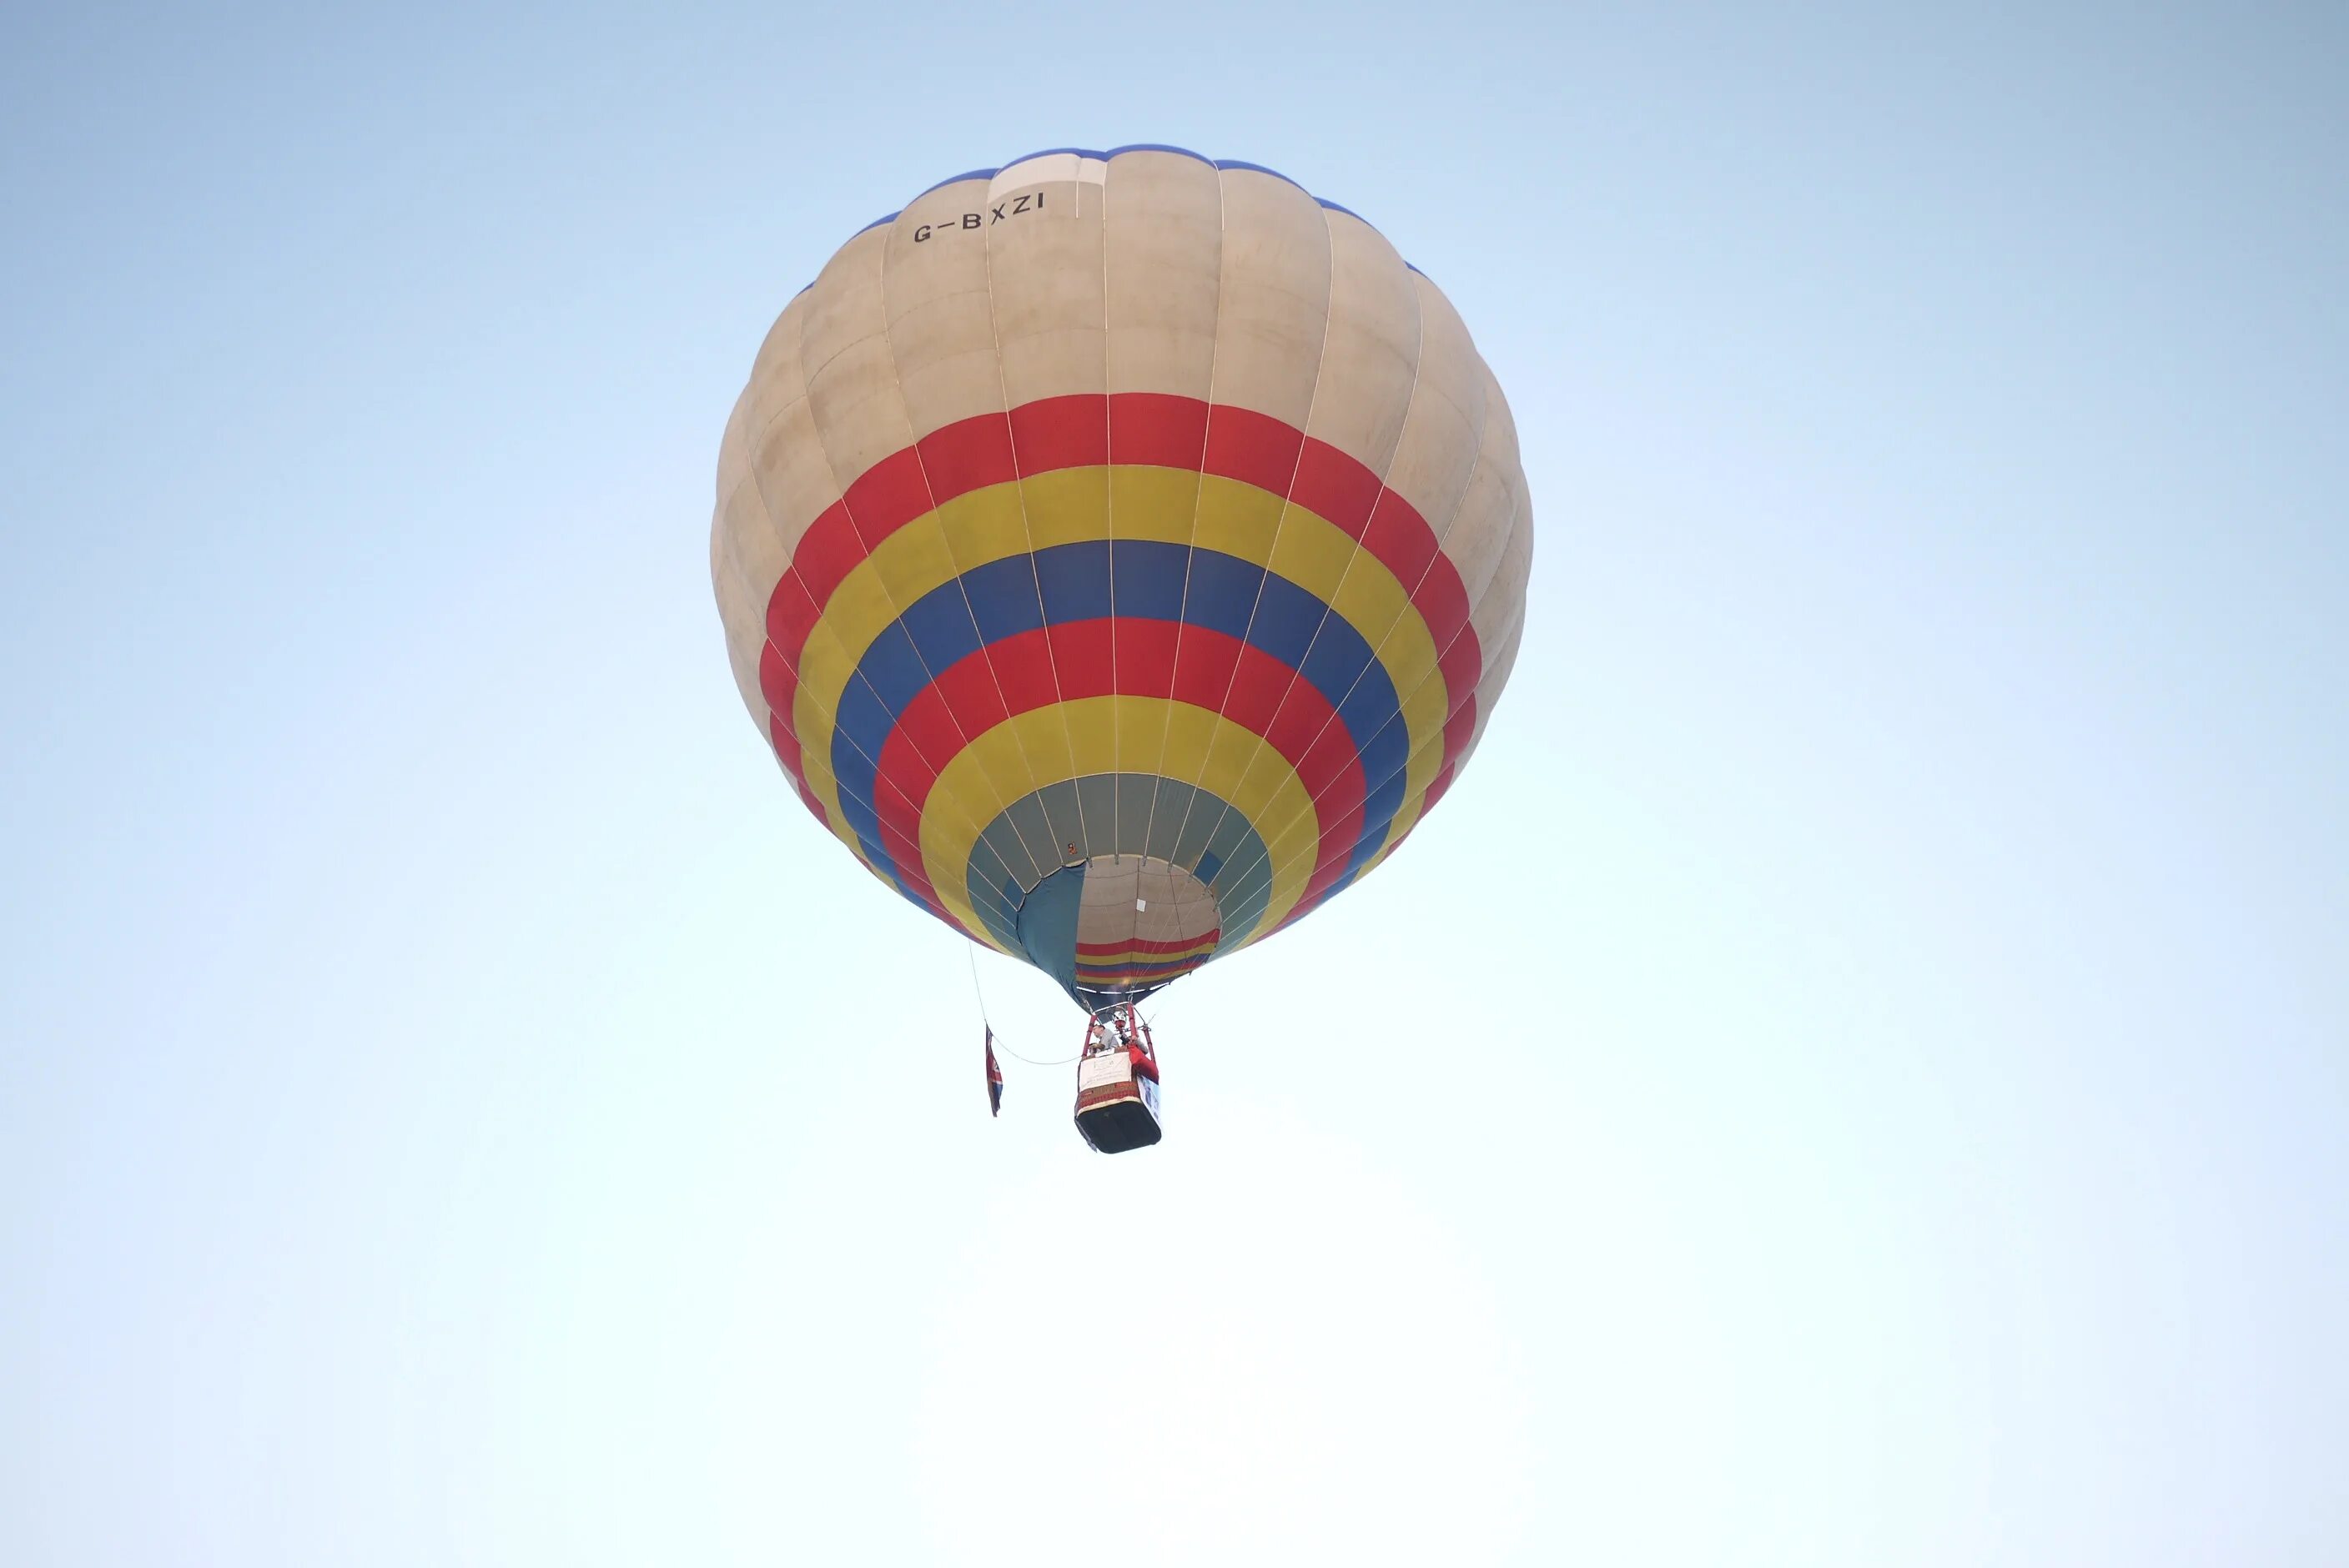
(1066,506)
(1073,506)
(812,722)
(1123,957)
(816,772)
(1420,773)
(1088,727)
(1406,817)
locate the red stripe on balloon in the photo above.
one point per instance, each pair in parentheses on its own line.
(968,455)
(1458,728)
(1300,727)
(887,496)
(791,614)
(1146,944)
(1252,448)
(1054,433)
(827,553)
(1153,427)
(779,683)
(1087,429)
(787,749)
(1435,788)
(1336,487)
(1461,663)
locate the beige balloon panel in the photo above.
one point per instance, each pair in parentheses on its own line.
(1130,897)
(1152,272)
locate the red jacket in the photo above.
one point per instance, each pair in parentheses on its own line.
(1144,1064)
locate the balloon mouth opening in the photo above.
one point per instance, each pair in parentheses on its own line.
(1116,927)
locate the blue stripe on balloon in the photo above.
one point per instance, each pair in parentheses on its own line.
(1077,583)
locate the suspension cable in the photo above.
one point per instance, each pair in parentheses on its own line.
(970,952)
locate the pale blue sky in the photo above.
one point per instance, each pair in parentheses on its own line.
(1853,1074)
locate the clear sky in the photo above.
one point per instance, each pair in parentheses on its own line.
(1854,1074)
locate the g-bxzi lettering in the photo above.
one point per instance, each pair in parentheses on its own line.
(1010,208)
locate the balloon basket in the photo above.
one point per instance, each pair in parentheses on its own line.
(1117,1101)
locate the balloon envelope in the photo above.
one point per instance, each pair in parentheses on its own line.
(1120,553)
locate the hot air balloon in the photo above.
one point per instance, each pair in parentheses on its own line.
(1121,552)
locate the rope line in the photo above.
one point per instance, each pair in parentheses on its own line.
(970,952)
(1031,1061)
